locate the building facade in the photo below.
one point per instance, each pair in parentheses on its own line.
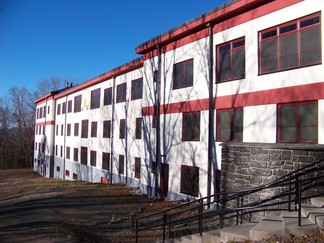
(249,71)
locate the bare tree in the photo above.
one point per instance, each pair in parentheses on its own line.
(47,85)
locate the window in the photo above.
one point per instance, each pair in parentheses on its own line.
(93,129)
(84,155)
(63,107)
(191,126)
(76,129)
(122,129)
(121,93)
(56,150)
(137,89)
(76,154)
(57,128)
(77,103)
(190,180)
(68,132)
(67,153)
(138,168)
(297,122)
(62,130)
(106,129)
(95,99)
(155,76)
(230,125)
(93,158)
(61,154)
(231,60)
(75,176)
(67,173)
(290,45)
(105,161)
(58,109)
(69,106)
(48,109)
(138,131)
(108,96)
(154,167)
(183,74)
(84,130)
(121,165)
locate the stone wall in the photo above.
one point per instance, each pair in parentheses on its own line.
(248,165)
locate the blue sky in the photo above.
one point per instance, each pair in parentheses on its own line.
(80,39)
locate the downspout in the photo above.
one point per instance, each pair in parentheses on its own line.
(210,112)
(112,130)
(158,135)
(54,137)
(64,134)
(45,138)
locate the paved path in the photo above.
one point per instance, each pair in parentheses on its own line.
(36,209)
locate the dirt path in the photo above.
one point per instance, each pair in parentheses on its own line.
(37,209)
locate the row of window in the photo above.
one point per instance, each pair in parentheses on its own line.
(283,47)
(41,112)
(94,129)
(297,122)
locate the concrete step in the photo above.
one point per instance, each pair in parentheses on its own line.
(318,201)
(208,237)
(314,214)
(236,233)
(186,239)
(272,225)
(290,220)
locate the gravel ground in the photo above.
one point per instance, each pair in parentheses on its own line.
(37,209)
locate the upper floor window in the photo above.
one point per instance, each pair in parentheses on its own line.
(77,103)
(58,112)
(76,129)
(137,89)
(93,158)
(138,129)
(63,107)
(191,126)
(291,45)
(121,93)
(121,164)
(231,60)
(106,128)
(84,129)
(93,129)
(230,125)
(297,122)
(122,125)
(69,106)
(183,74)
(108,96)
(76,154)
(95,99)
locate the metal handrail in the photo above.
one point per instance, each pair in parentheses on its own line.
(295,182)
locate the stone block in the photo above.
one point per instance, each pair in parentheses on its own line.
(274,151)
(275,157)
(286,155)
(299,152)
(262,157)
(256,150)
(258,164)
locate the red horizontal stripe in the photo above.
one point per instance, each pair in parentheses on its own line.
(305,92)
(45,123)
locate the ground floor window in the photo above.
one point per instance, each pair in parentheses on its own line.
(105,160)
(230,125)
(137,167)
(93,158)
(84,155)
(190,180)
(121,165)
(191,126)
(297,122)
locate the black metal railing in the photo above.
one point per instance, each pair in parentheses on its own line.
(284,194)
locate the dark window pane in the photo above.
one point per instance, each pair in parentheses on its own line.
(288,51)
(269,61)
(310,40)
(108,96)
(121,93)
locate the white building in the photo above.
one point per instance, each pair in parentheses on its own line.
(264,61)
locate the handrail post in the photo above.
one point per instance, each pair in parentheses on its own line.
(237,212)
(136,231)
(200,211)
(164,223)
(299,202)
(241,218)
(289,195)
(169,226)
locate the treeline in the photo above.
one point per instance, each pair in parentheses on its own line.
(17,124)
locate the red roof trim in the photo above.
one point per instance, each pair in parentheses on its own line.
(138,63)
